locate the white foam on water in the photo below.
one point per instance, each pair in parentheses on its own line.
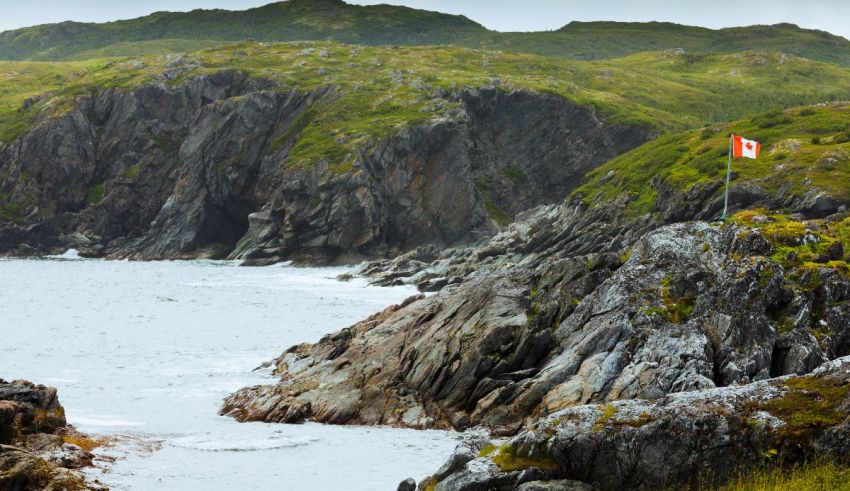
(146,352)
(69,255)
(207,444)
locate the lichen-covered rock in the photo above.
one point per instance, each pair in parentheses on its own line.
(689,438)
(26,408)
(537,237)
(33,453)
(694,306)
(24,471)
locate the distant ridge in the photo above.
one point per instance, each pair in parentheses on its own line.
(293,20)
(335,20)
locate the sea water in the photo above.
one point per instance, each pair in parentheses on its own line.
(146,351)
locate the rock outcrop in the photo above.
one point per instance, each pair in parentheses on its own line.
(35,448)
(195,169)
(683,439)
(689,307)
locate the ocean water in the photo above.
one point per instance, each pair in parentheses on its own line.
(147,351)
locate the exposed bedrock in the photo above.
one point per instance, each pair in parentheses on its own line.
(681,441)
(197,169)
(691,307)
(33,453)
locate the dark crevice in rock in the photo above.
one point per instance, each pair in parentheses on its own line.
(169,171)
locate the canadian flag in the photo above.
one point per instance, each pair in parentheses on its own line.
(741,147)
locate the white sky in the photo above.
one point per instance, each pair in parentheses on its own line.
(503,15)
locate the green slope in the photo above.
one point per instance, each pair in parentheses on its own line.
(300,20)
(381,89)
(600,40)
(293,20)
(803,150)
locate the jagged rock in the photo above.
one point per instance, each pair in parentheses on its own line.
(408,484)
(554,485)
(32,455)
(538,237)
(23,471)
(194,170)
(684,439)
(692,308)
(26,408)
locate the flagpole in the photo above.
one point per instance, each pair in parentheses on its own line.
(728,177)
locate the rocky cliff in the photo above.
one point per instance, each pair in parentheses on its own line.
(688,307)
(573,306)
(194,169)
(685,440)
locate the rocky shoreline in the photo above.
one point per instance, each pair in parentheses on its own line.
(574,308)
(572,319)
(683,440)
(194,170)
(38,449)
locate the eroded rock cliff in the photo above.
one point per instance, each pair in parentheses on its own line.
(195,168)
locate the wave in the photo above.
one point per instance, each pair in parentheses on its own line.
(69,255)
(206,444)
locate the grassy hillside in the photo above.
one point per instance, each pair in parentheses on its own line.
(305,20)
(803,149)
(600,40)
(380,89)
(293,20)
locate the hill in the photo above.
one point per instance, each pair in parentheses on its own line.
(334,20)
(804,165)
(601,40)
(319,150)
(293,20)
(380,89)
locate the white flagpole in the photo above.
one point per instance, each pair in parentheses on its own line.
(728,177)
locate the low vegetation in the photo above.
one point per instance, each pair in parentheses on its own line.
(815,476)
(378,90)
(801,246)
(305,20)
(508,460)
(789,159)
(809,403)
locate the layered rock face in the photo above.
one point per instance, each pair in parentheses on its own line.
(690,307)
(33,453)
(196,169)
(695,438)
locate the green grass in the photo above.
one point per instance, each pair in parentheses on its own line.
(809,402)
(815,476)
(94,195)
(601,40)
(319,20)
(169,142)
(509,460)
(296,20)
(787,237)
(788,159)
(379,90)
(10,210)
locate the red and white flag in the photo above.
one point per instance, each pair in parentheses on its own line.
(741,147)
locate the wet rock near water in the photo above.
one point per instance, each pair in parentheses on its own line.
(683,439)
(688,307)
(36,452)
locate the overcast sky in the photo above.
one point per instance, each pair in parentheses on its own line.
(502,15)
